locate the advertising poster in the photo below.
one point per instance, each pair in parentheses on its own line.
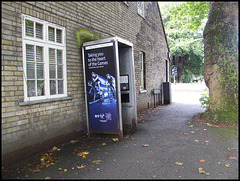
(100,72)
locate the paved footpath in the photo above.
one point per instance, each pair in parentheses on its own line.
(167,145)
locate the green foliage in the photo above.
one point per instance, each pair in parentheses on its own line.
(182,40)
(85,36)
(204,100)
(190,14)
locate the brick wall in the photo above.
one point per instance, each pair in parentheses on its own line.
(24,124)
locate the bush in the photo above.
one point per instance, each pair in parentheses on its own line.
(204,100)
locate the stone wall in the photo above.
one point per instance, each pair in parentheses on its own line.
(25,124)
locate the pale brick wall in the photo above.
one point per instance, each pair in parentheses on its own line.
(24,125)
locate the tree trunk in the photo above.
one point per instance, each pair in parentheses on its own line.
(221,61)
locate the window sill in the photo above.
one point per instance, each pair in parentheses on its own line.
(44,101)
(143,91)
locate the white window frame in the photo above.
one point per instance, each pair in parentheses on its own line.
(46,44)
(142,71)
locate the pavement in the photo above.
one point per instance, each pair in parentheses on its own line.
(168,144)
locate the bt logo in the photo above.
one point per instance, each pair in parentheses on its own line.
(104,117)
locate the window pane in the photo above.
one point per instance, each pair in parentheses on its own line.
(60,71)
(51,55)
(59,56)
(29,52)
(59,36)
(31,88)
(60,86)
(52,71)
(30,70)
(40,88)
(29,28)
(51,34)
(40,71)
(39,52)
(39,31)
(52,87)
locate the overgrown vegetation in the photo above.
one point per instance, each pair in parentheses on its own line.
(85,36)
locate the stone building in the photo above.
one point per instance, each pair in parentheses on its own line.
(42,71)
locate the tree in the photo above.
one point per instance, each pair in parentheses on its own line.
(221,62)
(185,42)
(190,15)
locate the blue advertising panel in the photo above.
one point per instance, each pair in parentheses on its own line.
(101,85)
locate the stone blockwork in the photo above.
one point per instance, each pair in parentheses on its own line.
(25,124)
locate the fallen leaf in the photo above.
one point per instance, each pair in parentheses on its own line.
(36,170)
(200,170)
(204,129)
(145,145)
(85,153)
(59,168)
(73,141)
(192,132)
(195,140)
(178,163)
(46,178)
(65,170)
(206,141)
(104,144)
(207,173)
(190,126)
(233,148)
(96,161)
(54,148)
(201,161)
(115,139)
(228,165)
(209,124)
(231,158)
(82,166)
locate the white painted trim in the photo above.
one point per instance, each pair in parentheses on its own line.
(46,45)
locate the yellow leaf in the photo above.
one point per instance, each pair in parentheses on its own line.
(200,170)
(145,145)
(104,144)
(209,124)
(85,153)
(65,170)
(196,140)
(54,148)
(46,178)
(228,165)
(206,141)
(190,126)
(178,163)
(84,157)
(59,168)
(82,166)
(115,139)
